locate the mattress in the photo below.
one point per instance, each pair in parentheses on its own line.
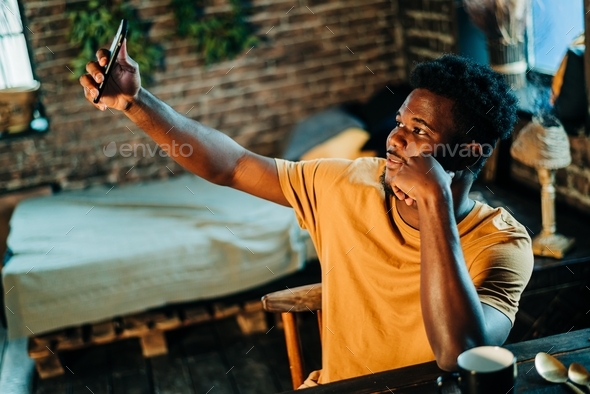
(85,256)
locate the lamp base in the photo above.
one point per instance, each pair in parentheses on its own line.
(552,245)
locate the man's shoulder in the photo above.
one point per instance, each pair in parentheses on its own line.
(496,240)
(492,225)
(361,172)
(501,219)
(368,165)
(363,167)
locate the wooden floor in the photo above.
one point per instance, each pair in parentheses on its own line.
(213,357)
(209,358)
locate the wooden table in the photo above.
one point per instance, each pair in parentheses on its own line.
(570,347)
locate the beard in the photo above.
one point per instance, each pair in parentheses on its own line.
(386,186)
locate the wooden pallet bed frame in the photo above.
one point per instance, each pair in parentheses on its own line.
(148,326)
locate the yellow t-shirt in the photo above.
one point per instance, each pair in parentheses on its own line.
(371,266)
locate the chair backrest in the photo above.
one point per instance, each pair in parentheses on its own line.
(286,302)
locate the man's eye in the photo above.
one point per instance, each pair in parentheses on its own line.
(419,131)
(398,123)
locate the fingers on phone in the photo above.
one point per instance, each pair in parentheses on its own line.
(88,82)
(95,70)
(90,90)
(102,55)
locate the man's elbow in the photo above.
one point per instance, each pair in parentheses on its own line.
(223,179)
(446,356)
(448,364)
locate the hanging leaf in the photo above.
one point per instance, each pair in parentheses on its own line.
(219,37)
(216,37)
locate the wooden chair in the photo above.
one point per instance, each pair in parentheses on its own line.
(286,302)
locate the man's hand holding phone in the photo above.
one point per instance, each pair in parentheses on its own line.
(122,80)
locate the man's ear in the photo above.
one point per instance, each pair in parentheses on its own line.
(474,152)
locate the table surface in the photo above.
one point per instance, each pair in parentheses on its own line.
(570,347)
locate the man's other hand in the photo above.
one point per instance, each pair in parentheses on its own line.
(123,84)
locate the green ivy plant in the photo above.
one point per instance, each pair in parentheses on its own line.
(95,23)
(217,37)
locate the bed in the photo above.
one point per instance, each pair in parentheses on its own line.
(84,256)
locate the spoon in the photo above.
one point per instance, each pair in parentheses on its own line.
(578,374)
(552,370)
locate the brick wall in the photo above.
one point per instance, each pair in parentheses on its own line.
(302,66)
(430,29)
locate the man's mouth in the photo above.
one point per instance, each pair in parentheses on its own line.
(394,161)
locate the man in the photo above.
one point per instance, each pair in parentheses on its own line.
(413,270)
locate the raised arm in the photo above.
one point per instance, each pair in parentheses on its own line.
(214,156)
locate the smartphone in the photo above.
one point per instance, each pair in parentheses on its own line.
(115,47)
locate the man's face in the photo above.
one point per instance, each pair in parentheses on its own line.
(423,122)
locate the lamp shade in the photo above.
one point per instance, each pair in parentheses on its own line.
(542,147)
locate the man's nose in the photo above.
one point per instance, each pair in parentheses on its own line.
(397,138)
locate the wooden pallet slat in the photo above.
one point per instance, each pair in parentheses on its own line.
(136,325)
(103,332)
(252,318)
(39,349)
(49,366)
(70,339)
(222,310)
(149,327)
(195,315)
(166,321)
(153,343)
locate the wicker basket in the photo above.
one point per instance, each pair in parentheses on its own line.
(16,107)
(509,60)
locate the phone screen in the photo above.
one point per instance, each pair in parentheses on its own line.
(115,47)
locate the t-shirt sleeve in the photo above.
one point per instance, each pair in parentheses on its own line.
(304,183)
(501,272)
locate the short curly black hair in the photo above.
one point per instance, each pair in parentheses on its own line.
(484,105)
